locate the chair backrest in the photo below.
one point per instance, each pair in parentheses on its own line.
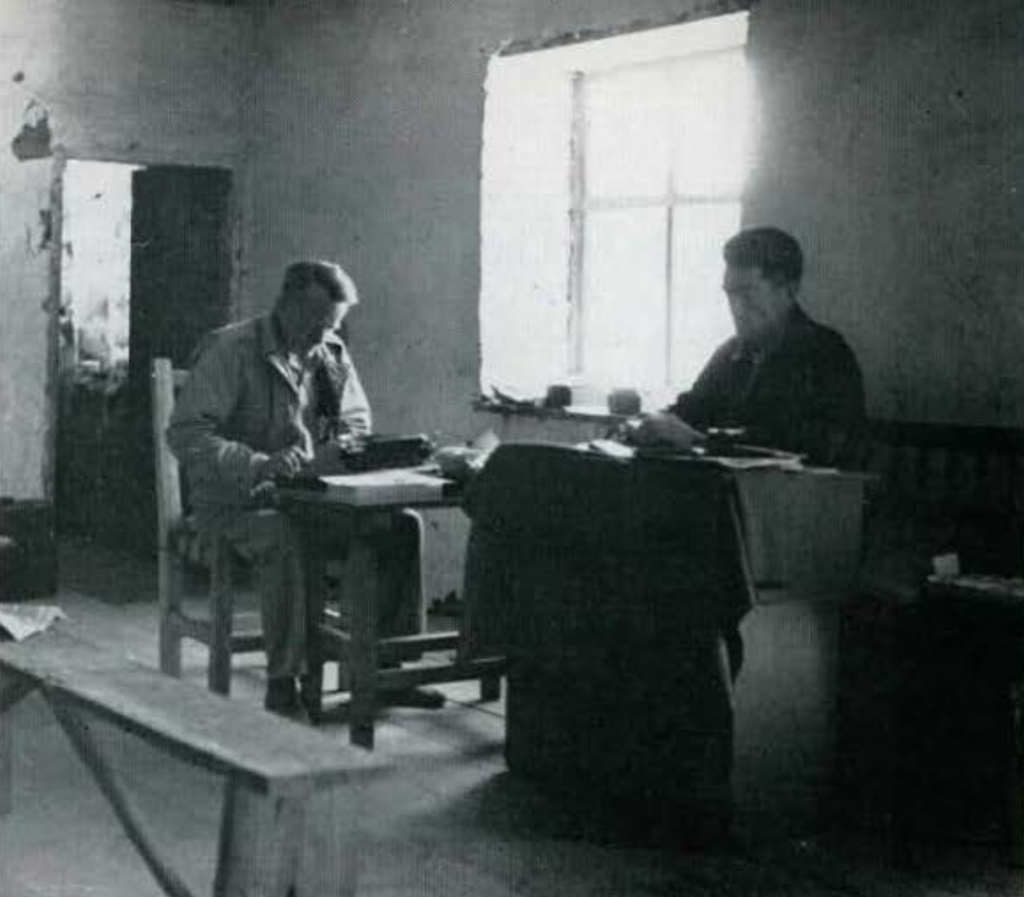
(165,379)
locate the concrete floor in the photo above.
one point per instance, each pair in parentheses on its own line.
(452,822)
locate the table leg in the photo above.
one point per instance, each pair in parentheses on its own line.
(315,564)
(260,844)
(361,584)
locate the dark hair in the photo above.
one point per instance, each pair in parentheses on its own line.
(300,275)
(775,252)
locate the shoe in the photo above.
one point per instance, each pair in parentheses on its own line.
(281,696)
(311,697)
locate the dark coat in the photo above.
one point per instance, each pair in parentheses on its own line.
(804,393)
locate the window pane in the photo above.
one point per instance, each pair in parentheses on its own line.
(712,124)
(684,124)
(628,142)
(700,313)
(624,297)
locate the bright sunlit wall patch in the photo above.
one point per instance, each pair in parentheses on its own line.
(613,171)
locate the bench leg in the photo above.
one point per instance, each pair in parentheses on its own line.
(12,689)
(272,846)
(260,841)
(77,730)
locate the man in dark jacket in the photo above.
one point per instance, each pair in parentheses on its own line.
(783,379)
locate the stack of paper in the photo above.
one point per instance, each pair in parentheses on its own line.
(384,487)
(19,621)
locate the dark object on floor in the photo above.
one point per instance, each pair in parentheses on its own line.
(28,566)
(960,752)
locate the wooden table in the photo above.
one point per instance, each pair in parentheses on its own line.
(359,647)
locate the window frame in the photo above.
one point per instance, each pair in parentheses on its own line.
(581,207)
(534,325)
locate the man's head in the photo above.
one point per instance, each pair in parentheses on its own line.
(314,299)
(763,267)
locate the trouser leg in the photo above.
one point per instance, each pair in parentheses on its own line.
(397,558)
(269,540)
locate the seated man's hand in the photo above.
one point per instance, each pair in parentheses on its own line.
(287,462)
(327,459)
(664,430)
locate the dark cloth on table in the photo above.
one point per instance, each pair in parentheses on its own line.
(801,391)
(612,588)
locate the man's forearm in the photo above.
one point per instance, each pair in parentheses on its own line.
(225,467)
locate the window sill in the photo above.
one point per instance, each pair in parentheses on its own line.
(576,413)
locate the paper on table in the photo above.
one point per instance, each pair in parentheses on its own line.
(793,463)
(381,487)
(20,621)
(611,448)
(486,441)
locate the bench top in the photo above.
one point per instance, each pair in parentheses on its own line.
(270,754)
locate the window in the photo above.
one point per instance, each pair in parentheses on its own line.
(612,173)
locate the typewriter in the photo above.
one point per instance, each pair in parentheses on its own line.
(382,452)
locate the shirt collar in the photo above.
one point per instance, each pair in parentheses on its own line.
(768,344)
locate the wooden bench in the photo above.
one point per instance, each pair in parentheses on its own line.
(271,766)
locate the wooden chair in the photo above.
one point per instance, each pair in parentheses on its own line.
(221,630)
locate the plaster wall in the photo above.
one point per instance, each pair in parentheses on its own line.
(121,80)
(892,143)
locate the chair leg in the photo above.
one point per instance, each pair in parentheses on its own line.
(221,618)
(169,587)
(312,681)
(490,688)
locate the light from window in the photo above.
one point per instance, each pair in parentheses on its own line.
(612,173)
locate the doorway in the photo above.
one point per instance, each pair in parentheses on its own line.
(146,270)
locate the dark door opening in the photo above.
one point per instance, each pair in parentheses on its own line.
(177,285)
